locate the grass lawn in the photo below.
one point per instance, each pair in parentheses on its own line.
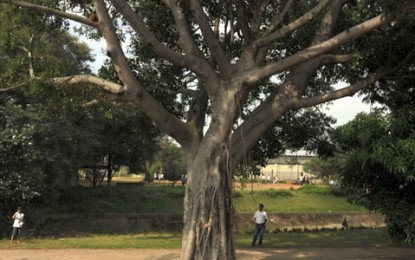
(166,199)
(329,239)
(153,199)
(297,203)
(349,238)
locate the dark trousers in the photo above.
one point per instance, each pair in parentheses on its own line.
(259,232)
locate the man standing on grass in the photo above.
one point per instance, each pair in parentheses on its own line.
(260,218)
(17,224)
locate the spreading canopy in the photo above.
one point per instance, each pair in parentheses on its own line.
(232,48)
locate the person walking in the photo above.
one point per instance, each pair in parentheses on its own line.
(17,224)
(260,218)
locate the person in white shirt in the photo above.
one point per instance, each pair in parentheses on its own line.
(260,218)
(17,224)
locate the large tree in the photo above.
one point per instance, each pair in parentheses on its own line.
(31,156)
(248,64)
(379,170)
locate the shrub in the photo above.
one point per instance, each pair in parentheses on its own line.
(315,189)
(271,193)
(237,194)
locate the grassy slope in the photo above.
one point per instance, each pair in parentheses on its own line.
(166,199)
(156,199)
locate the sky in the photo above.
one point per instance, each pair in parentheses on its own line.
(345,109)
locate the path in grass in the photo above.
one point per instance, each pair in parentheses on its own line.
(13,253)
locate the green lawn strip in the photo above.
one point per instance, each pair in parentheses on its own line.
(101,200)
(326,239)
(299,202)
(151,240)
(154,199)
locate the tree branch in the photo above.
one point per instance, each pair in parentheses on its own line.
(258,12)
(186,41)
(134,91)
(278,18)
(311,52)
(146,35)
(269,38)
(243,23)
(277,104)
(330,19)
(194,63)
(210,37)
(332,59)
(74,80)
(340,93)
(301,74)
(47,10)
(89,79)
(115,50)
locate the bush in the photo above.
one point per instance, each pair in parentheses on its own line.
(271,193)
(315,189)
(237,194)
(339,192)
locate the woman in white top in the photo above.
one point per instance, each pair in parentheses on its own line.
(17,224)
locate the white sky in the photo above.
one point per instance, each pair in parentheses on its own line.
(345,109)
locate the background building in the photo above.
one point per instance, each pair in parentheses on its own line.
(284,168)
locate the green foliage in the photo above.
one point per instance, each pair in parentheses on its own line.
(380,168)
(172,160)
(48,133)
(149,199)
(20,178)
(325,168)
(292,201)
(167,199)
(237,194)
(272,193)
(315,189)
(33,45)
(289,133)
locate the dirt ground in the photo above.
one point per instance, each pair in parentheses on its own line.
(173,254)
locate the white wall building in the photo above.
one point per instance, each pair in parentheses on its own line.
(284,168)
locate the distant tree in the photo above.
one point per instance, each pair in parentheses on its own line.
(16,153)
(326,168)
(152,169)
(31,158)
(121,135)
(379,147)
(172,161)
(124,137)
(380,166)
(28,54)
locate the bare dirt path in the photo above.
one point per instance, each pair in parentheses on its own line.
(174,254)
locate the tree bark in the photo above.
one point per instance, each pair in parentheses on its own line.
(207,232)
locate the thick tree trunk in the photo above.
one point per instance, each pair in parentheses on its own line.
(207,232)
(109,170)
